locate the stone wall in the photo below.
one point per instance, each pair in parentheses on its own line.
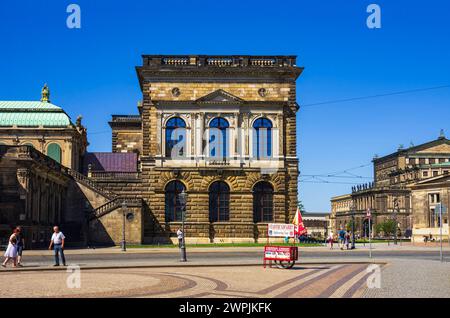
(107,230)
(192,91)
(125,140)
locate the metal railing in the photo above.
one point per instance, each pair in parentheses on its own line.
(114,204)
(91,184)
(108,175)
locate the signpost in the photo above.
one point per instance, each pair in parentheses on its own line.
(369,216)
(284,256)
(441,209)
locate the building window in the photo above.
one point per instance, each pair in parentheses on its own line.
(219,202)
(435,173)
(434,198)
(425,174)
(218,137)
(173,206)
(175,133)
(54,152)
(262,138)
(262,202)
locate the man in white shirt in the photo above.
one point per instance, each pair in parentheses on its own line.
(180,237)
(58,245)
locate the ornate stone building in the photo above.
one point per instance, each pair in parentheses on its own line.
(395,191)
(44,126)
(39,146)
(247,105)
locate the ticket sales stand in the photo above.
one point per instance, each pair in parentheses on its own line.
(283,256)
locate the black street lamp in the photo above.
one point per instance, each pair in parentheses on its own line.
(353,227)
(396,209)
(183,200)
(124,243)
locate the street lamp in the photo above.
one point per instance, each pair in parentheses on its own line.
(396,209)
(123,243)
(183,199)
(353,227)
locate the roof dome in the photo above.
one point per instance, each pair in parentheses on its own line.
(33,113)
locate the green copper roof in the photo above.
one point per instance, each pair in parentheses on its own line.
(32,113)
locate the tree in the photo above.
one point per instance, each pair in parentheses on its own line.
(388,228)
(301,207)
(348,226)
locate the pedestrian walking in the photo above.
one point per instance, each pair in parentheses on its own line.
(57,241)
(330,240)
(11,250)
(347,240)
(20,245)
(341,238)
(180,235)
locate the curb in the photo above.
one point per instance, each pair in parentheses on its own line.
(64,268)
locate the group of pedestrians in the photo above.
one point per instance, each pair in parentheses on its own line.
(16,244)
(15,247)
(344,239)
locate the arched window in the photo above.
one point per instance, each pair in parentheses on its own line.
(262,202)
(262,138)
(219,202)
(54,152)
(173,206)
(175,133)
(218,137)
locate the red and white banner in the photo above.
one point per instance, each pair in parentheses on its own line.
(300,228)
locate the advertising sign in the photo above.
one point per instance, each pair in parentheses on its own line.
(280,253)
(281,230)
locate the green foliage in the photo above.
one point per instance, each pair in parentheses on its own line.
(301,207)
(349,225)
(388,227)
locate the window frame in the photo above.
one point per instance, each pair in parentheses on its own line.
(174,211)
(219,202)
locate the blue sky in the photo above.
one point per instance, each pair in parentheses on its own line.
(90,71)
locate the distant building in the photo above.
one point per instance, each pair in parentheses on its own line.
(317,223)
(407,184)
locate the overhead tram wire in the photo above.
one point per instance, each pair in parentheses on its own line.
(376,96)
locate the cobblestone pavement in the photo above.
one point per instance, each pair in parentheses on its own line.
(324,280)
(412,278)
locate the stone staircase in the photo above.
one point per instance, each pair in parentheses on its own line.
(114,204)
(91,184)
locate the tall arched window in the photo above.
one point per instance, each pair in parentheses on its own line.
(54,152)
(218,137)
(262,202)
(219,202)
(262,138)
(175,133)
(173,206)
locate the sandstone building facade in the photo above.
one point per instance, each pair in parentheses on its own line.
(234,188)
(407,185)
(39,146)
(221,129)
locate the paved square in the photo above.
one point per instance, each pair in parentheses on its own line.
(325,280)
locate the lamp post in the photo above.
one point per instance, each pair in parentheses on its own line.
(353,227)
(183,200)
(123,243)
(396,209)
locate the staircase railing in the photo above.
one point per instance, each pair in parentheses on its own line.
(114,204)
(91,184)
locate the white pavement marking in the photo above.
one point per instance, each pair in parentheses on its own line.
(339,293)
